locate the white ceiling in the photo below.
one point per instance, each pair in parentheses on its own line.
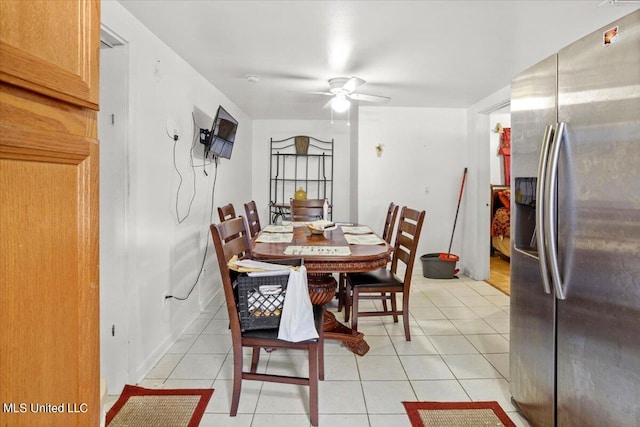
(419,53)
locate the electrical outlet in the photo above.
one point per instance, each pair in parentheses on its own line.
(164,299)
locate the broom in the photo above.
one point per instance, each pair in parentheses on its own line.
(448,255)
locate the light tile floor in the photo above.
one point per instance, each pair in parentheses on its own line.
(459,352)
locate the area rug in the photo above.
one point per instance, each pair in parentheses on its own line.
(138,406)
(456,414)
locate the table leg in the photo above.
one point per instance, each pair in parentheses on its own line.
(322,289)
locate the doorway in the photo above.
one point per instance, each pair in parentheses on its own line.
(499,164)
(112,132)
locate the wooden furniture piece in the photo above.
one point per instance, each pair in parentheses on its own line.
(322,285)
(226,212)
(253,220)
(261,338)
(306,210)
(299,161)
(369,285)
(49,284)
(389,222)
(387,233)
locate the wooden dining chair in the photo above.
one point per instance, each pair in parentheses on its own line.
(253,220)
(261,338)
(370,285)
(387,233)
(306,210)
(226,212)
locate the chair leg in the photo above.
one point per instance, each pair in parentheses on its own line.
(255,358)
(354,309)
(237,381)
(313,383)
(394,307)
(384,301)
(405,315)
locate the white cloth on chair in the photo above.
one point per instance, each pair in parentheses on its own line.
(297,323)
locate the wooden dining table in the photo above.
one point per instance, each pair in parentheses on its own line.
(321,263)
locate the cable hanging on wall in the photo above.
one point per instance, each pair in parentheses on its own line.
(193,196)
(206,248)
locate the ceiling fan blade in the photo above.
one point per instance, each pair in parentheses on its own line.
(352,84)
(322,93)
(368,98)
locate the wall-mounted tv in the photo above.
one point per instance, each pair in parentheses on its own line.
(219,141)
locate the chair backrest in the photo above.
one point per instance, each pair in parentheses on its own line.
(306,210)
(407,236)
(226,212)
(226,247)
(389,222)
(253,220)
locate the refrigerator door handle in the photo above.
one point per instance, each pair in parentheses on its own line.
(540,208)
(550,211)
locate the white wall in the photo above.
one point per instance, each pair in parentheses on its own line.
(163,255)
(422,147)
(264,130)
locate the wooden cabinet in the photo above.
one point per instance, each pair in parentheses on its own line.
(52,47)
(49,290)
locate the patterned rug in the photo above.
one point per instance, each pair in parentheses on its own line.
(138,406)
(456,414)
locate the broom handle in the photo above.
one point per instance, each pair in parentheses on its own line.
(464,176)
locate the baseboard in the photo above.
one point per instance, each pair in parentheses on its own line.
(148,364)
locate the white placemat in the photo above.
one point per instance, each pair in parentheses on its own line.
(318,250)
(278,228)
(363,239)
(357,230)
(275,238)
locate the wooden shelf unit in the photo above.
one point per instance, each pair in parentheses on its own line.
(291,168)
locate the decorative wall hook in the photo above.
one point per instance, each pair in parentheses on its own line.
(379,150)
(499,128)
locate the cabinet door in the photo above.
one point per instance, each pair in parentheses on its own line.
(49,290)
(52,47)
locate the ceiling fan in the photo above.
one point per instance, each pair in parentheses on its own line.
(343,88)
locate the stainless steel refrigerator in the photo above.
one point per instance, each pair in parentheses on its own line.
(575,265)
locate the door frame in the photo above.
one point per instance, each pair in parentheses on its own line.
(116,260)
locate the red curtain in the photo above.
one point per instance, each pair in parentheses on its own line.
(505,150)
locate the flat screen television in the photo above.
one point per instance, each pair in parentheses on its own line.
(219,141)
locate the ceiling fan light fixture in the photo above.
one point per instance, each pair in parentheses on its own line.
(340,104)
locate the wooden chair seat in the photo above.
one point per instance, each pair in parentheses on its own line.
(375,279)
